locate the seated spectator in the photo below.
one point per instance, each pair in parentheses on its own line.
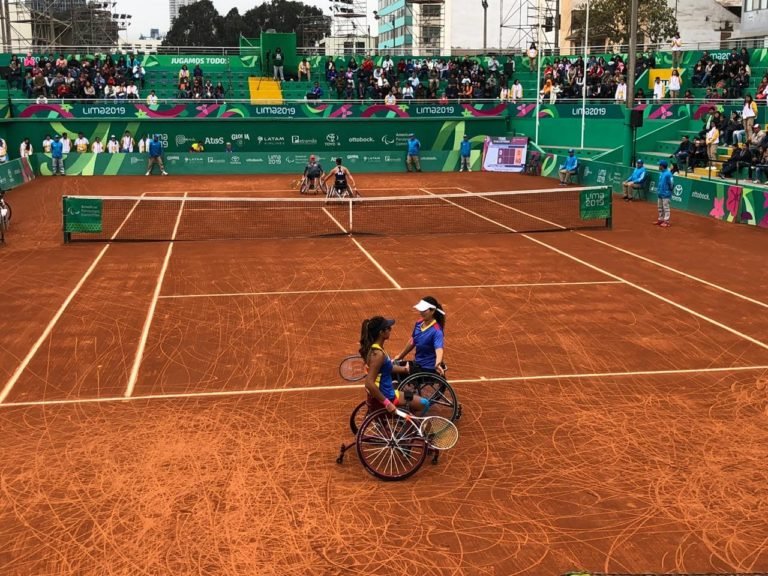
(197,72)
(81,143)
(132,91)
(756,138)
(152,98)
(688,97)
(138,73)
(730,127)
(197,147)
(740,157)
(698,156)
(762,89)
(316,93)
(390,99)
(183,75)
(761,165)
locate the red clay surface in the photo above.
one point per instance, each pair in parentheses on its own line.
(652,461)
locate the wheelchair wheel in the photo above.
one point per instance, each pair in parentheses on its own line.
(436,389)
(358,416)
(389,447)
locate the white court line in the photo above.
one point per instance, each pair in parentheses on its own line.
(616,277)
(364,251)
(238,193)
(358,386)
(353,290)
(59,313)
(134,376)
(635,255)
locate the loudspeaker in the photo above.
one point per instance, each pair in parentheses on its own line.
(636,118)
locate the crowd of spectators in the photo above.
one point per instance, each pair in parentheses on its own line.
(100,77)
(195,86)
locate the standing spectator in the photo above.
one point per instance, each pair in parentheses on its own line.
(304,70)
(47,144)
(155,156)
(621,91)
(3,151)
(66,143)
(516,92)
(635,181)
(569,168)
(144,144)
(97,147)
(677,50)
(57,156)
(712,141)
(277,65)
(465,149)
(113,146)
(412,160)
(674,85)
(533,54)
(658,89)
(81,143)
(748,114)
(25,150)
(666,182)
(228,148)
(126,142)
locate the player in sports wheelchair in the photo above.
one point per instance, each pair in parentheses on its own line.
(389,444)
(343,185)
(313,180)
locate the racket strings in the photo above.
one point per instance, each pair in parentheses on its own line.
(440,433)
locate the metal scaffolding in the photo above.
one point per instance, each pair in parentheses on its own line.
(42,25)
(350,17)
(417,28)
(520,21)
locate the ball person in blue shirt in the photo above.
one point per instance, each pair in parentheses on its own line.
(635,180)
(465,150)
(569,169)
(427,338)
(155,156)
(378,382)
(666,184)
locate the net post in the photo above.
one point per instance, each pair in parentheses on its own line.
(609,220)
(64,219)
(350,215)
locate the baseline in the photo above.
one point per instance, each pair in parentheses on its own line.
(276,391)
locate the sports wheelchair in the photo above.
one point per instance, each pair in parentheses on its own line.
(310,185)
(386,444)
(333,192)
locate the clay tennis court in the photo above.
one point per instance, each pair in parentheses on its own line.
(176,408)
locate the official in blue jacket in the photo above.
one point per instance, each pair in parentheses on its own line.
(57,156)
(569,168)
(635,181)
(666,185)
(412,160)
(464,151)
(155,156)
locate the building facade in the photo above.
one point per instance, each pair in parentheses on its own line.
(175,5)
(754,18)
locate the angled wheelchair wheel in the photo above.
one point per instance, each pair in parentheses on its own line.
(436,389)
(389,447)
(358,416)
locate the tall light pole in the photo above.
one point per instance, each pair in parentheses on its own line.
(629,140)
(485,25)
(584,78)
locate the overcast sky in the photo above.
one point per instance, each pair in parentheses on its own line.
(155,13)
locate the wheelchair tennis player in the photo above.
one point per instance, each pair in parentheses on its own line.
(343,184)
(378,382)
(427,338)
(312,182)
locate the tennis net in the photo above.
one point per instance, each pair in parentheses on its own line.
(121,218)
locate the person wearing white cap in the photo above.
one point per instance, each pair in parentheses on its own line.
(378,381)
(427,338)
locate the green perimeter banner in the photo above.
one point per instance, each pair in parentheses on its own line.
(744,204)
(16,172)
(103,109)
(252,163)
(275,136)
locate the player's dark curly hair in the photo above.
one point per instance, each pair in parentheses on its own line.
(369,331)
(439,311)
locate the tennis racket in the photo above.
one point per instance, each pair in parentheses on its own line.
(353,369)
(440,433)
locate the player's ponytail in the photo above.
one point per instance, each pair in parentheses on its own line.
(439,311)
(369,331)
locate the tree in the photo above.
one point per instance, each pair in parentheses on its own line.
(609,21)
(197,25)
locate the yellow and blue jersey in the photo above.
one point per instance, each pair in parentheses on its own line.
(384,377)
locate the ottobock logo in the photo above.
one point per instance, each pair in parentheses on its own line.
(358,140)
